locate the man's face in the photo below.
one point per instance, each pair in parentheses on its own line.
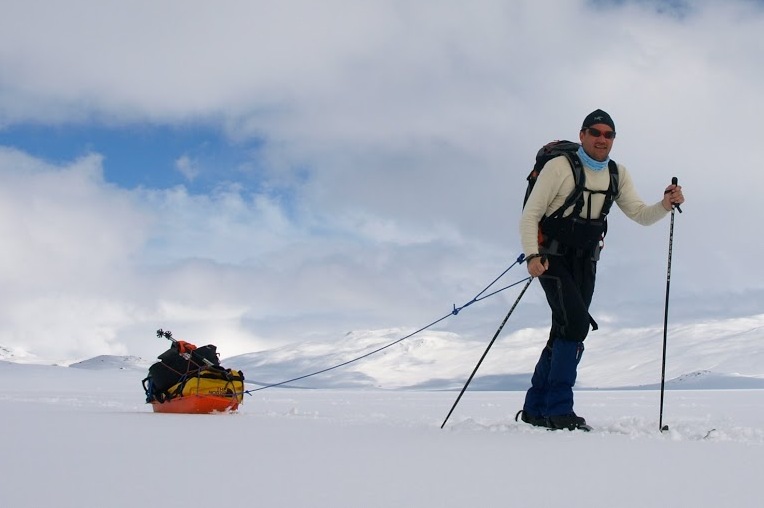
(595,141)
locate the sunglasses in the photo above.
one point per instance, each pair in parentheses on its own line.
(597,133)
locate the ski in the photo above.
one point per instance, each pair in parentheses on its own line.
(584,428)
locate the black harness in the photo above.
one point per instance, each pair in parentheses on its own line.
(560,234)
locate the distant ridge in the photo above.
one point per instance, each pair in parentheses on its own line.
(706,380)
(17,355)
(701,356)
(109,362)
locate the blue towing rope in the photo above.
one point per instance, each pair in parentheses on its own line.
(479,297)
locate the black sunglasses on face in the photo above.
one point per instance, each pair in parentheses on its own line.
(597,133)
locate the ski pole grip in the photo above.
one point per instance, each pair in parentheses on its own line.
(675,181)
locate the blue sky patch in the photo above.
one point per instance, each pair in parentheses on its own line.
(152,156)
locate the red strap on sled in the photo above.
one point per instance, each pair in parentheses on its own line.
(184,347)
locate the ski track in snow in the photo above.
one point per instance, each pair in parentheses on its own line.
(633,428)
(334,407)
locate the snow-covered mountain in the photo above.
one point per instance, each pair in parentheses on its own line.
(107,362)
(17,355)
(718,354)
(701,355)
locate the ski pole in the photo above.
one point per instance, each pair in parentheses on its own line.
(662,427)
(530,279)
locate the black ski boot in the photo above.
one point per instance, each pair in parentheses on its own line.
(570,421)
(536,421)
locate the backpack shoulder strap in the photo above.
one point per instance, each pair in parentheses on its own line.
(613,189)
(579,177)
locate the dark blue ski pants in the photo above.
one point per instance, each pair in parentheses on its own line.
(569,287)
(551,391)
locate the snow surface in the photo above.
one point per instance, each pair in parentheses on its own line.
(83,437)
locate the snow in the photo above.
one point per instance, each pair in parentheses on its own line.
(78,437)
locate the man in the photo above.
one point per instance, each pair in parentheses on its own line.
(562,250)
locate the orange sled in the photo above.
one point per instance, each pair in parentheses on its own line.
(210,390)
(196,404)
(190,380)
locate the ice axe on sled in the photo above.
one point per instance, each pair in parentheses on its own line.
(185,349)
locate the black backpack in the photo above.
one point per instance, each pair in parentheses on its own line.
(570,232)
(174,367)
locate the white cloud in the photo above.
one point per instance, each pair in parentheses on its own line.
(396,140)
(188,167)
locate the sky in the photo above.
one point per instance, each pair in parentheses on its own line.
(265,173)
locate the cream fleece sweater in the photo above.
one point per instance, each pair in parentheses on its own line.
(556,182)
